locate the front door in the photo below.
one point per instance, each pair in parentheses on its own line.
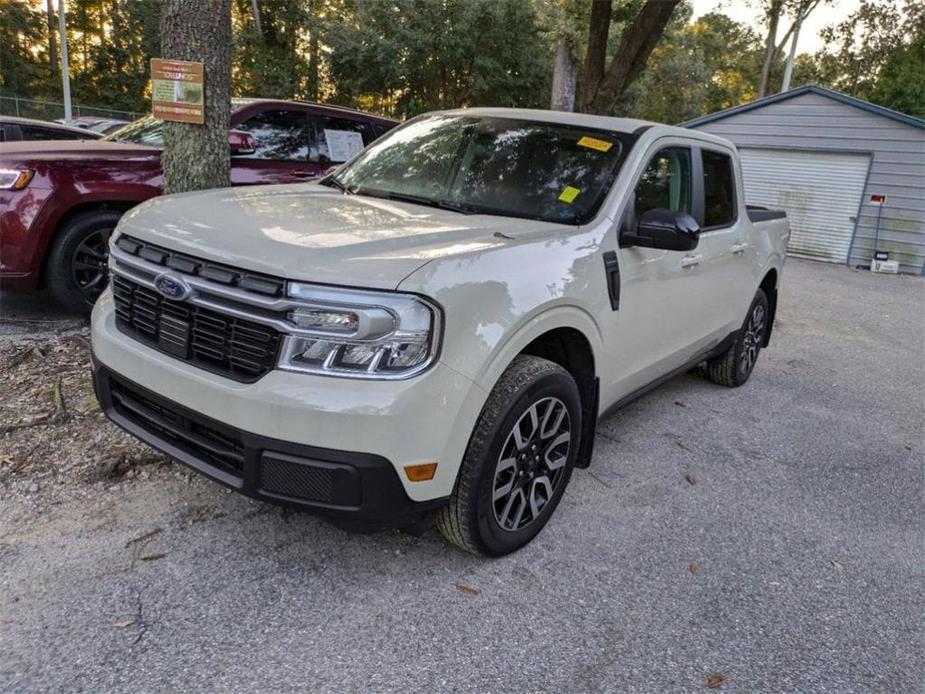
(657,318)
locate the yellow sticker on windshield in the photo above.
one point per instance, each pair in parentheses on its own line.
(594,143)
(569,194)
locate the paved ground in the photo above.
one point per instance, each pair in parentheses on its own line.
(771,535)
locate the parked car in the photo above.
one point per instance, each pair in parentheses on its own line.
(13,129)
(435,328)
(59,201)
(96,124)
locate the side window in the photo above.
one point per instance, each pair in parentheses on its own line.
(282,135)
(338,139)
(718,190)
(666,182)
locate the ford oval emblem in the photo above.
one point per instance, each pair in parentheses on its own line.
(172,287)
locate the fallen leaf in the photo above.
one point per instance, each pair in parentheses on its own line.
(124,622)
(838,565)
(152,557)
(690,479)
(468,590)
(6,459)
(694,569)
(683,445)
(716,680)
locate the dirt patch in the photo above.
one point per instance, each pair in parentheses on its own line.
(54,439)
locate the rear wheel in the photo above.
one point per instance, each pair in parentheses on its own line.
(519,459)
(734,366)
(78,265)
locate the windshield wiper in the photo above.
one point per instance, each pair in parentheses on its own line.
(459,207)
(335,182)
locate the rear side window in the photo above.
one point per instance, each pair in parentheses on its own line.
(718,190)
(666,182)
(338,139)
(284,135)
(31,132)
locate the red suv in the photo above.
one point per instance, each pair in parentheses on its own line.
(60,200)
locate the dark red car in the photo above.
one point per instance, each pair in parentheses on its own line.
(59,201)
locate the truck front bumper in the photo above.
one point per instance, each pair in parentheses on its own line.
(330,445)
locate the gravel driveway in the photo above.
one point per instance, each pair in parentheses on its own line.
(768,538)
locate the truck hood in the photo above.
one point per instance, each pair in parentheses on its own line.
(80,150)
(314,233)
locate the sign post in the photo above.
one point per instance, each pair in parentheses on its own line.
(177,91)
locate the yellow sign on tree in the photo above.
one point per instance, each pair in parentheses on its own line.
(176,91)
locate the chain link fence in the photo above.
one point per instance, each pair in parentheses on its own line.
(44,109)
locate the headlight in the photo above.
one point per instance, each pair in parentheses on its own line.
(360,334)
(15,179)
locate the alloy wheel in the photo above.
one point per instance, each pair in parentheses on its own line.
(752,339)
(531,464)
(90,264)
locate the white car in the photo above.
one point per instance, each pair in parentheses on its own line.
(434,330)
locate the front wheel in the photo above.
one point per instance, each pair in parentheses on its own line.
(519,459)
(78,265)
(733,367)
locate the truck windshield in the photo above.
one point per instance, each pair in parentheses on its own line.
(488,165)
(144,131)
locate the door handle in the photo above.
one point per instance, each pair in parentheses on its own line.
(691,260)
(737,248)
(304,174)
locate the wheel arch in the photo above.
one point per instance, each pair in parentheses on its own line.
(569,337)
(71,213)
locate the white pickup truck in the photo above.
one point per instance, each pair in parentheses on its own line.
(434,330)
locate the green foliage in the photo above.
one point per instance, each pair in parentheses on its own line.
(699,67)
(421,55)
(901,81)
(402,57)
(21,31)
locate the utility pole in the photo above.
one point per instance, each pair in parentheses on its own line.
(65,69)
(788,71)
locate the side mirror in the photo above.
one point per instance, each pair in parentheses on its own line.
(240,143)
(665,229)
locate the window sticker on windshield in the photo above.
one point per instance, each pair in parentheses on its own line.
(594,143)
(569,194)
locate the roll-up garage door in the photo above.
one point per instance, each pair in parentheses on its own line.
(820,191)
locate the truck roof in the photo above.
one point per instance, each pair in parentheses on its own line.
(622,125)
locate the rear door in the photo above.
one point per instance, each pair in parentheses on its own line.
(723,280)
(283,144)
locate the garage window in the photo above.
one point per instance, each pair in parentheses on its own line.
(718,189)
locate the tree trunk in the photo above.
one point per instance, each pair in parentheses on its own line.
(596,57)
(52,42)
(197,156)
(257,25)
(564,78)
(636,45)
(770,46)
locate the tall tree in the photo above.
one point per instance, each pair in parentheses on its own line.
(603,84)
(197,156)
(52,38)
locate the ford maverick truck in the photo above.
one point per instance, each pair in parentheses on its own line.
(433,330)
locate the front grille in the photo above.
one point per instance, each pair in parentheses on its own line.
(214,272)
(238,349)
(222,450)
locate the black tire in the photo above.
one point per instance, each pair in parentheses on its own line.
(531,392)
(77,270)
(735,365)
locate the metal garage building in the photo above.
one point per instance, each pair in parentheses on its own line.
(829,159)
